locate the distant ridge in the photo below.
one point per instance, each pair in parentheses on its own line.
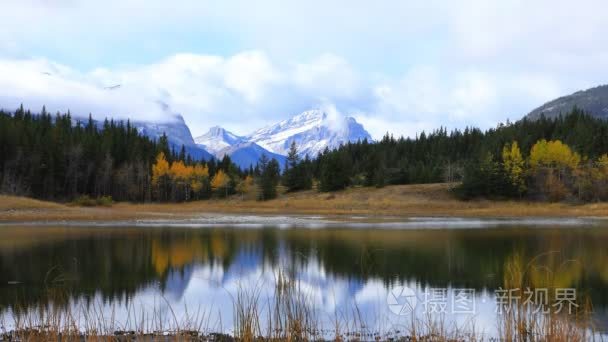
(594,101)
(312,131)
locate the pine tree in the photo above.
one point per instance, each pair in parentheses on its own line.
(269,178)
(291,176)
(335,171)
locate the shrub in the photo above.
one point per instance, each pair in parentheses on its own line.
(87,201)
(105,201)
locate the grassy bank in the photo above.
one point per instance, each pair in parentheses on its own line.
(288,316)
(400,201)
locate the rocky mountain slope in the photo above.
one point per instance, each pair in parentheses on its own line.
(594,101)
(312,131)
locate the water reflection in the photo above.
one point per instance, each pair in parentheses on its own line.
(340,270)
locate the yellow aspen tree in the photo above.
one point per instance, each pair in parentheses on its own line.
(219,181)
(179,175)
(160,168)
(552,160)
(199,174)
(245,186)
(161,176)
(514,164)
(553,154)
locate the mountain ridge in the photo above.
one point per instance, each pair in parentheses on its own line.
(177,132)
(594,101)
(313,131)
(247,153)
(218,139)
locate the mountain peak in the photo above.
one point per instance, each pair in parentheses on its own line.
(217,139)
(217,131)
(310,115)
(593,101)
(312,131)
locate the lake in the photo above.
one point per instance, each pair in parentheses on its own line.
(376,276)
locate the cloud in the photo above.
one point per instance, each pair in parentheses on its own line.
(249,90)
(399,66)
(243,91)
(528,33)
(327,74)
(38,82)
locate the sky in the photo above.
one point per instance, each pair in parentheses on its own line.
(397,66)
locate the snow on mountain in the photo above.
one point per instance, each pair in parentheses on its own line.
(173,126)
(312,131)
(177,132)
(245,154)
(218,139)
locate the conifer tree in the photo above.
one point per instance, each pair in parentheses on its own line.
(269,178)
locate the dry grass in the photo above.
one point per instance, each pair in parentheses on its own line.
(8,203)
(525,320)
(290,316)
(400,201)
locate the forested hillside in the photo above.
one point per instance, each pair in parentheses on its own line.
(53,157)
(477,157)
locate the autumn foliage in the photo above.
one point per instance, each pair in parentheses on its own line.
(178,181)
(552,171)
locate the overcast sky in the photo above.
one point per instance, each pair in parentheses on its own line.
(399,66)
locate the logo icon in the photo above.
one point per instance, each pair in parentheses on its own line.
(401,300)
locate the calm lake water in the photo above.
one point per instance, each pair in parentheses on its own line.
(380,276)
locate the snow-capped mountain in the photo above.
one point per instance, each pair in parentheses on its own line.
(245,154)
(218,139)
(177,132)
(312,131)
(173,126)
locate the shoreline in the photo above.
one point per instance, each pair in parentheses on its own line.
(392,203)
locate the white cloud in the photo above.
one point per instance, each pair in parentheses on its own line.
(399,66)
(473,94)
(243,91)
(250,74)
(327,75)
(39,82)
(248,90)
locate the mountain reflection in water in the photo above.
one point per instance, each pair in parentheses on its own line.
(341,270)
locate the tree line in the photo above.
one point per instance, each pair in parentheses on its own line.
(552,171)
(59,158)
(56,157)
(486,162)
